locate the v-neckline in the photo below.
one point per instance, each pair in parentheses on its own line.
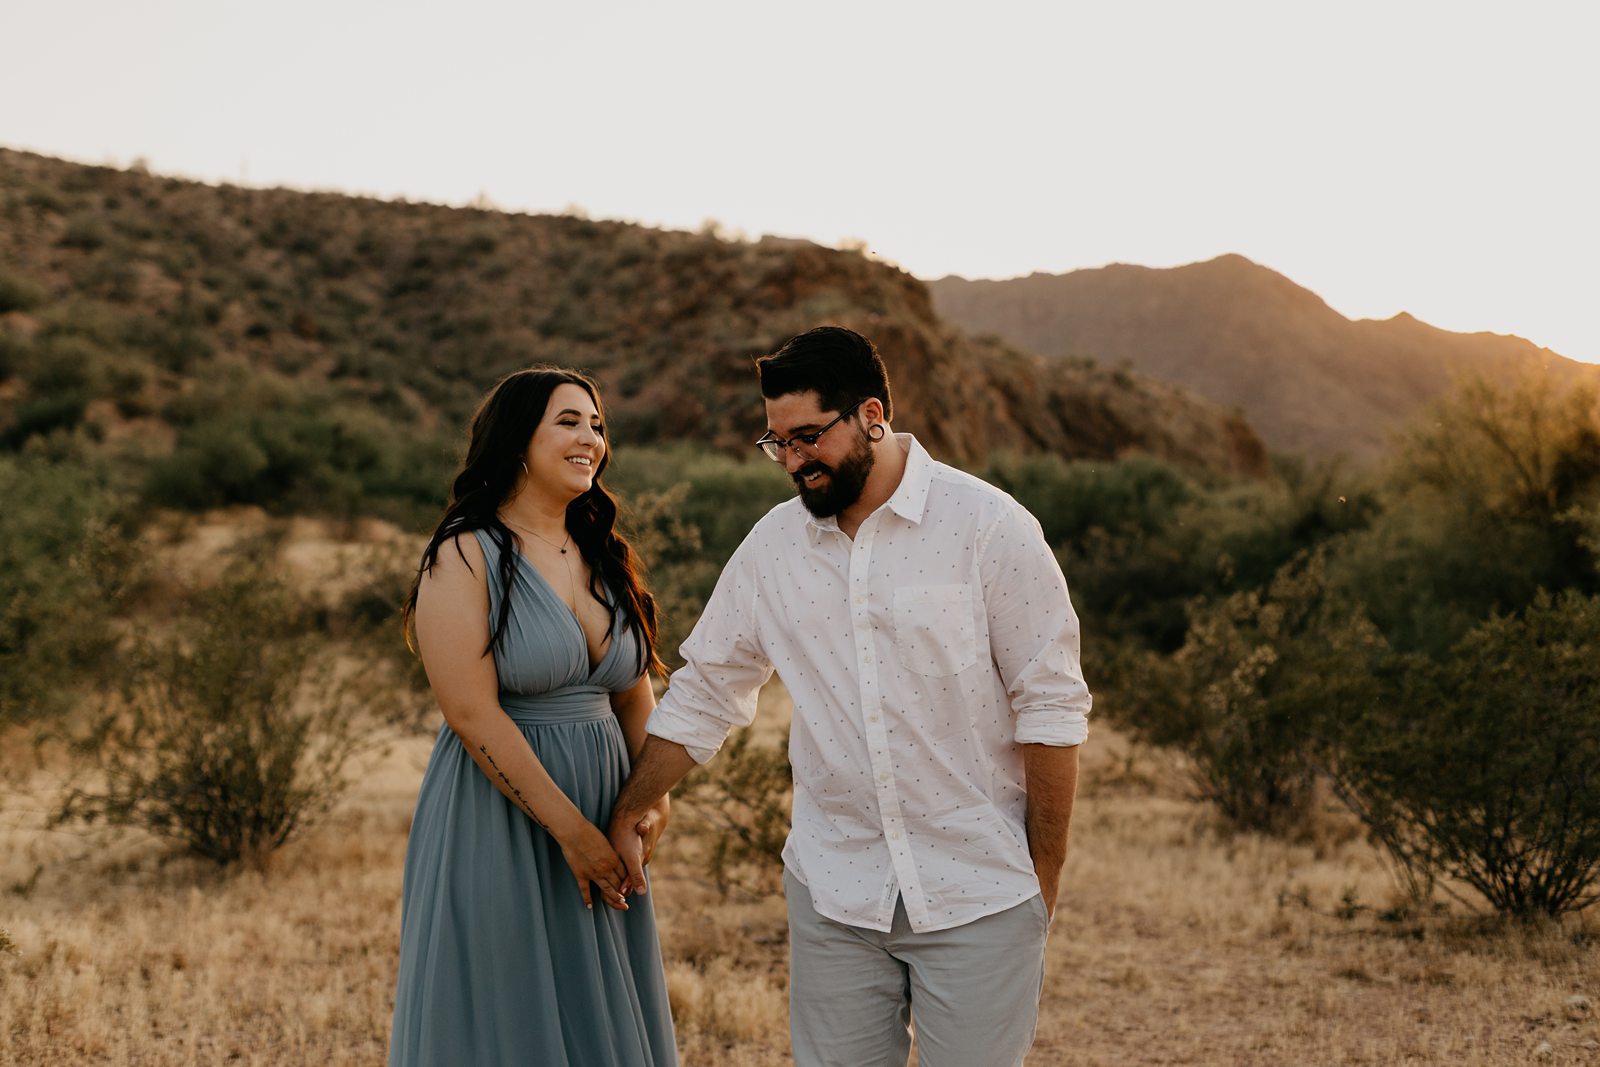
(589,661)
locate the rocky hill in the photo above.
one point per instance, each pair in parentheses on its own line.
(135,306)
(1245,337)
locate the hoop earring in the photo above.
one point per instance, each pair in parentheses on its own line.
(878,436)
(525,473)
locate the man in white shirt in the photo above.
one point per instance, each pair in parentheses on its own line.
(923,629)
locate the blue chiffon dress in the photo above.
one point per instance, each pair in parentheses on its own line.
(500,963)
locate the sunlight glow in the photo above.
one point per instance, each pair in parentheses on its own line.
(1420,157)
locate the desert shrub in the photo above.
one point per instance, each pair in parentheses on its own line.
(1485,767)
(1246,694)
(1139,541)
(77,315)
(365,618)
(288,448)
(7,946)
(232,735)
(1486,507)
(111,273)
(64,565)
(66,363)
(16,353)
(87,229)
(43,416)
(724,497)
(740,805)
(678,574)
(18,292)
(1071,498)
(686,511)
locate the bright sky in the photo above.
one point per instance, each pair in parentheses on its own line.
(1437,158)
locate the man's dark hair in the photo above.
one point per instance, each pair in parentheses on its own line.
(839,364)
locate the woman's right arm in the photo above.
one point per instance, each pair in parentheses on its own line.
(452,619)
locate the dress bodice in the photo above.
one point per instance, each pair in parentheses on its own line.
(544,648)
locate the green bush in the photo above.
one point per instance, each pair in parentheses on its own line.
(1139,541)
(1486,507)
(65,563)
(289,448)
(1246,694)
(676,570)
(1485,768)
(87,230)
(724,498)
(44,416)
(231,737)
(18,292)
(16,353)
(740,802)
(1070,498)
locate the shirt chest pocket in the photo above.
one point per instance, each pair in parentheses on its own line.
(933,629)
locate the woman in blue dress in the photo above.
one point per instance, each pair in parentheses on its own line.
(521,940)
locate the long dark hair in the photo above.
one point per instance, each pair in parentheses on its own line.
(501,429)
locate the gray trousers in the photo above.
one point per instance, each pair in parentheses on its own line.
(972,991)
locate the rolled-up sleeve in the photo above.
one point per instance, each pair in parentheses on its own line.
(724,667)
(1033,632)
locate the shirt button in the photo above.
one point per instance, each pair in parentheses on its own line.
(867,658)
(895,834)
(872,718)
(884,777)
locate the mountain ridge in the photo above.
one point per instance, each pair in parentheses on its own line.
(413,310)
(1248,338)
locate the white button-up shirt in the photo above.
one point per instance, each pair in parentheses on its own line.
(920,657)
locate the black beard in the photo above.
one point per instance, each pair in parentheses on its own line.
(844,483)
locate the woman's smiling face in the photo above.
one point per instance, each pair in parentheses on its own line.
(568,446)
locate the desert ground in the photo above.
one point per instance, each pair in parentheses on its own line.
(1175,942)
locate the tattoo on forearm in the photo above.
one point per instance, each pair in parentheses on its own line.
(515,792)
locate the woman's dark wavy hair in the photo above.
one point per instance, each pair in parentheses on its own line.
(501,429)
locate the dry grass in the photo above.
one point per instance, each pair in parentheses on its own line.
(1176,943)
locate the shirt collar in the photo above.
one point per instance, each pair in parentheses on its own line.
(910,497)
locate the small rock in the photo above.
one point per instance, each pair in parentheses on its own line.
(1579,1007)
(1544,1051)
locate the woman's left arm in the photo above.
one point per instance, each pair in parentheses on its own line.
(633,707)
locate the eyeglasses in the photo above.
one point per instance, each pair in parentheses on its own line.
(803,444)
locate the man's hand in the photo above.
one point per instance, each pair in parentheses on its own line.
(629,844)
(660,765)
(646,831)
(1049,887)
(653,825)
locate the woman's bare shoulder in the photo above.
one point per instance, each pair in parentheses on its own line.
(459,561)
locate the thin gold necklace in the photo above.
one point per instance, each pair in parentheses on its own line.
(566,565)
(562,547)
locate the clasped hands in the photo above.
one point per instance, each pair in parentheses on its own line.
(615,863)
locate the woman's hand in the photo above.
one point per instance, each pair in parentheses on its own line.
(592,859)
